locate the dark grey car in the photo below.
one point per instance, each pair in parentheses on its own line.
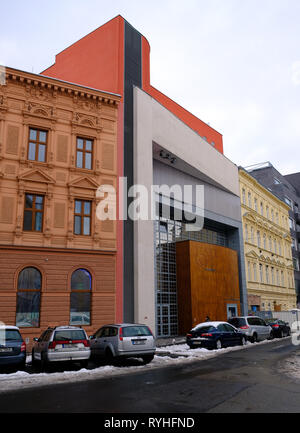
(12,348)
(123,341)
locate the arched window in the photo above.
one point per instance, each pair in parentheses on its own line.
(29,298)
(80,304)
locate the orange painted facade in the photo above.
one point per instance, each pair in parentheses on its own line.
(64,112)
(97,60)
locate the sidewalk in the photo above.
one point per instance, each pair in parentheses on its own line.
(163,342)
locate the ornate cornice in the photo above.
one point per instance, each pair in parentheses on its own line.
(44,88)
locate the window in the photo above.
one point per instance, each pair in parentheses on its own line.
(289,202)
(244,196)
(258,239)
(282,278)
(254,272)
(294,244)
(265,241)
(296,264)
(261,208)
(246,232)
(267,274)
(82,217)
(292,224)
(267,212)
(33,213)
(28,298)
(255,204)
(270,243)
(80,303)
(249,199)
(276,181)
(84,153)
(272,275)
(249,271)
(37,145)
(277,277)
(261,273)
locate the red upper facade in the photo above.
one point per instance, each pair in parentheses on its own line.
(97,61)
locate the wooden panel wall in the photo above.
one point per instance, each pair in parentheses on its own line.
(207,280)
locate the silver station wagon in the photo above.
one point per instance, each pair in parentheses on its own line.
(123,340)
(62,343)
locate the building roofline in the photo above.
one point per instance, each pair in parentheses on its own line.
(25,75)
(273,193)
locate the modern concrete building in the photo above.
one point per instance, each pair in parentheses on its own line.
(267,247)
(287,188)
(168,152)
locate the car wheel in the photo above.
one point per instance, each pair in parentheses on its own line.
(84,364)
(191,346)
(281,334)
(288,333)
(109,357)
(36,364)
(22,365)
(218,344)
(271,335)
(147,358)
(254,338)
(43,363)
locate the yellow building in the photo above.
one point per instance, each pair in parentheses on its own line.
(267,247)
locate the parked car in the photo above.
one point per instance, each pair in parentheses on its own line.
(12,347)
(255,328)
(215,335)
(279,327)
(61,343)
(123,340)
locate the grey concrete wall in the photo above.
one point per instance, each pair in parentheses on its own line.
(156,126)
(215,200)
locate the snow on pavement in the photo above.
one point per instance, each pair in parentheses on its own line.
(175,354)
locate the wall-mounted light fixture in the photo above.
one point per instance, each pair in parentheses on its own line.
(168,156)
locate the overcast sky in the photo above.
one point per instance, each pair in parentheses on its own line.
(233,63)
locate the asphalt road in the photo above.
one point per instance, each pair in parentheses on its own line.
(248,380)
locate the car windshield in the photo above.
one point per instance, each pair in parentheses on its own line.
(69,334)
(136,331)
(10,335)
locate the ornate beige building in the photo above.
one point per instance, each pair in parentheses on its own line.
(58,143)
(267,247)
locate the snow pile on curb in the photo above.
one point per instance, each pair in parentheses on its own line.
(169,355)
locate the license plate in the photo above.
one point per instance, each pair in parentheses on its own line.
(70,346)
(138,342)
(6,349)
